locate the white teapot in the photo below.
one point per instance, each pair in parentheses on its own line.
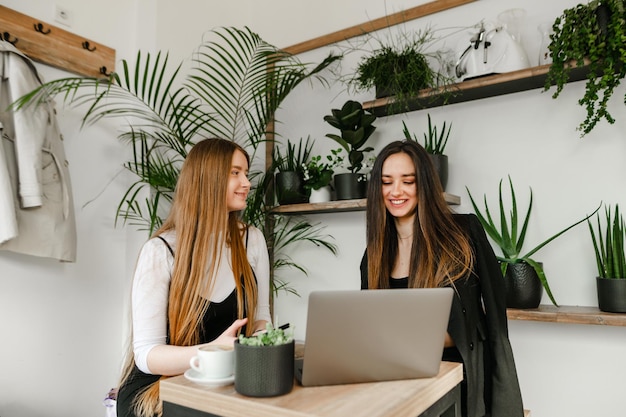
(491,50)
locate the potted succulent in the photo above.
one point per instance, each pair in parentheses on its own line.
(524,276)
(591,34)
(318,175)
(611,261)
(400,67)
(355,126)
(290,186)
(435,144)
(264,363)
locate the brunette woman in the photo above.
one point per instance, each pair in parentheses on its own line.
(202,278)
(415,241)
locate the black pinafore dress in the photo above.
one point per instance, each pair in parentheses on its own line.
(218,317)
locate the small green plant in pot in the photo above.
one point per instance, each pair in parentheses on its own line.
(592,34)
(356,126)
(510,239)
(318,175)
(611,260)
(290,185)
(264,363)
(435,144)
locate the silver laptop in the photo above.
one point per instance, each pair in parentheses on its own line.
(375,335)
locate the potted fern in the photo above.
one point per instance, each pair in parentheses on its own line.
(590,34)
(524,277)
(611,261)
(435,144)
(401,66)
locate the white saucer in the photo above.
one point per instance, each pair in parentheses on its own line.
(194,376)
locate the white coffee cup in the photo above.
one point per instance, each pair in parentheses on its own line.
(214,361)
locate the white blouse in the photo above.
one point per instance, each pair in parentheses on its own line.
(151,283)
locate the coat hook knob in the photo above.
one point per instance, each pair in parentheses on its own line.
(88,47)
(6,36)
(103,71)
(39,28)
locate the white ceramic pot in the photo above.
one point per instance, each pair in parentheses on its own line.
(320,196)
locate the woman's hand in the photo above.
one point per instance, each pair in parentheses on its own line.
(229,335)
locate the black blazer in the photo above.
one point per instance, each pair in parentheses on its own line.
(478,326)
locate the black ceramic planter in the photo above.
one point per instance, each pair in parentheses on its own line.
(440,163)
(290,188)
(611,294)
(523,286)
(264,371)
(350,186)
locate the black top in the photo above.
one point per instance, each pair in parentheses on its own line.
(478,326)
(217,319)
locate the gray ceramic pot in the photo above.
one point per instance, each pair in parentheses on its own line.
(611,294)
(264,371)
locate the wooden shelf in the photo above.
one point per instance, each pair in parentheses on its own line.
(340,206)
(474,89)
(568,314)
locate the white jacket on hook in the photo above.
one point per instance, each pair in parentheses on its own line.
(36,204)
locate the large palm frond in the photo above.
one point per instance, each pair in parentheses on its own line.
(245,80)
(236,84)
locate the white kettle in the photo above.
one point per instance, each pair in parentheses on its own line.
(489,49)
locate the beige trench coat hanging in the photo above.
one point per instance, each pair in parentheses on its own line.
(36,204)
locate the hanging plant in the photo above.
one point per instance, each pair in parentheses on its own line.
(592,34)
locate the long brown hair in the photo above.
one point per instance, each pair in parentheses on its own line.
(203,227)
(441,252)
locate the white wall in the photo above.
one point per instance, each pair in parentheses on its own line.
(63,324)
(565,370)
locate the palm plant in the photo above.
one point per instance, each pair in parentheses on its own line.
(507,238)
(236,84)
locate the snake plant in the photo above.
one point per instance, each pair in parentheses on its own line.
(609,246)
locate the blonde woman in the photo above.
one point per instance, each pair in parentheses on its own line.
(415,241)
(201,279)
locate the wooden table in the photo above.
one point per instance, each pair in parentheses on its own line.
(426,397)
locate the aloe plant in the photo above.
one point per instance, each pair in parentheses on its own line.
(510,237)
(609,246)
(232,91)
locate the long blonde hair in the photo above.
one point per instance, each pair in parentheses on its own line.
(441,251)
(203,227)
